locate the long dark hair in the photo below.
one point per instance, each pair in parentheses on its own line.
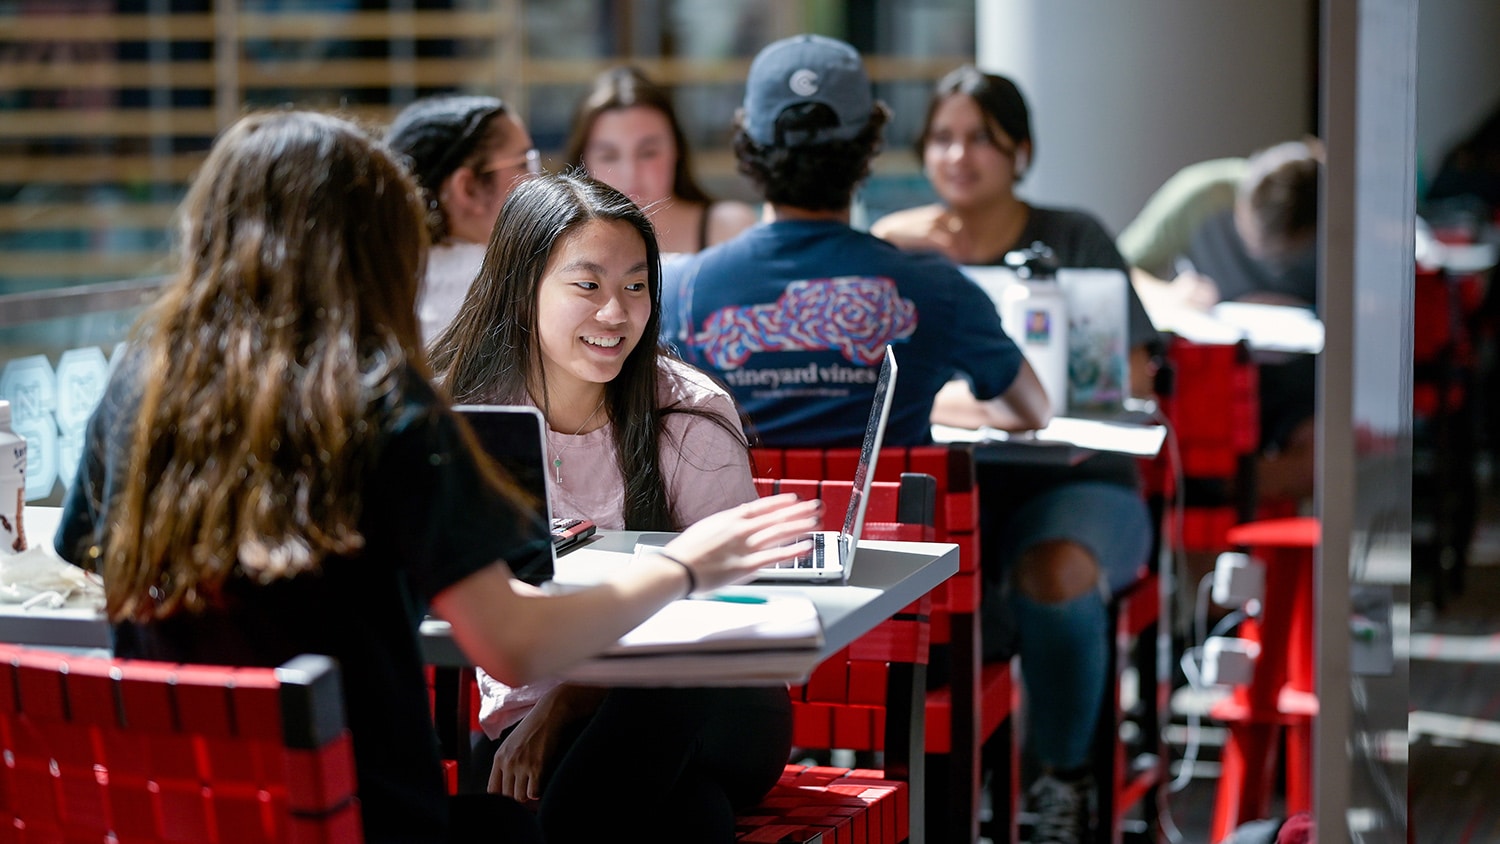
(624,87)
(291,316)
(490,352)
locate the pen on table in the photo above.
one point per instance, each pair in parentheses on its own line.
(732,599)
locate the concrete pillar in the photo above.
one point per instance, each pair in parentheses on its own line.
(1122,95)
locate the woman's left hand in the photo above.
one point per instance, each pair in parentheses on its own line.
(521,759)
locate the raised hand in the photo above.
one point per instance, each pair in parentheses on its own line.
(732,544)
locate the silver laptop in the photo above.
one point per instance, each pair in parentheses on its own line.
(1074,331)
(832,554)
(514,436)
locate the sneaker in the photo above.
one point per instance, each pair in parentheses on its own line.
(1062,809)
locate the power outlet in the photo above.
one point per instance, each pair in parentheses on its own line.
(1228,661)
(1238,580)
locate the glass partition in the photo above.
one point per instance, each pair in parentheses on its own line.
(107,107)
(56,348)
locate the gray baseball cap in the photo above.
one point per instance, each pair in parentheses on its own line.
(807,69)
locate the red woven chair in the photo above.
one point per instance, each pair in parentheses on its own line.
(980,698)
(118,750)
(454,695)
(1198,489)
(1212,403)
(866,697)
(1130,763)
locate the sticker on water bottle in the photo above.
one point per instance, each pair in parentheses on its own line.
(41,457)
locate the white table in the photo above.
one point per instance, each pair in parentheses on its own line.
(885,577)
(1066,441)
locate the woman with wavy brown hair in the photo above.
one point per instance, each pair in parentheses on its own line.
(270,473)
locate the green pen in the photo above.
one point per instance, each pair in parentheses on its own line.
(736,599)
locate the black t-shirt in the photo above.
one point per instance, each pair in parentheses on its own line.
(429,520)
(1078,241)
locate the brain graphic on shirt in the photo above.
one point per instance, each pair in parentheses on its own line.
(855,315)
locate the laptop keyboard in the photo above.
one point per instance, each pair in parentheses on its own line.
(813,559)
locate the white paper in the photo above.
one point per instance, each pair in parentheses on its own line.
(736,669)
(1091,434)
(706,624)
(1273,328)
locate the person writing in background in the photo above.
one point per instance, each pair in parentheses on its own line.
(626,134)
(1246,233)
(1055,542)
(270,473)
(466,153)
(1233,229)
(564,316)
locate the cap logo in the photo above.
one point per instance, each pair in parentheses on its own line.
(804,83)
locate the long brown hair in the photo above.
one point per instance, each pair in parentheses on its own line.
(626,87)
(291,315)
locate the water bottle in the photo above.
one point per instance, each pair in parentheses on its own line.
(12,485)
(1035,315)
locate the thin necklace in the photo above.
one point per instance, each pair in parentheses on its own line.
(557,455)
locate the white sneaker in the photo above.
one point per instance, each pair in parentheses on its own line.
(1062,809)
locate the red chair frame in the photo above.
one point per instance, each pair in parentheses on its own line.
(978,702)
(867,697)
(102,749)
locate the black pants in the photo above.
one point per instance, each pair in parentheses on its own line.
(490,817)
(673,764)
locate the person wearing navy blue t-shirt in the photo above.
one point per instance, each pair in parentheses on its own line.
(794,314)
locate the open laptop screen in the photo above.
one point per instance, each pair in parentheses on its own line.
(880,411)
(513,436)
(832,555)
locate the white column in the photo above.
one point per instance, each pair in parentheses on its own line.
(1122,95)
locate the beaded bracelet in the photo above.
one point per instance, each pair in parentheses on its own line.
(692,578)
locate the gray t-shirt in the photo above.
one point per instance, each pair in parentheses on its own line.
(1218,252)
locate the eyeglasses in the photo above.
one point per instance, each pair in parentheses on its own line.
(472,127)
(532,161)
